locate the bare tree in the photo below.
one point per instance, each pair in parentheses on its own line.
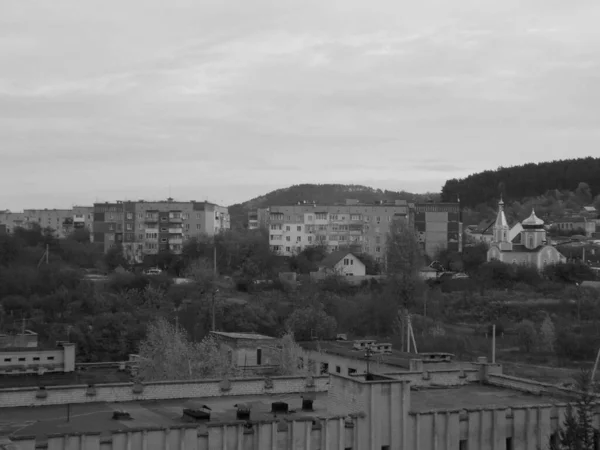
(291,356)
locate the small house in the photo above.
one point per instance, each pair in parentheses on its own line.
(343,263)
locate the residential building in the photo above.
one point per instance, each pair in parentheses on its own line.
(584,225)
(530,247)
(62,221)
(354,226)
(360,227)
(475,407)
(2,228)
(83,218)
(253,220)
(439,227)
(342,262)
(146,228)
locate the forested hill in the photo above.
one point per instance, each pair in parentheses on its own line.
(321,194)
(529,180)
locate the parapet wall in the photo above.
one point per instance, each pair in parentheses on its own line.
(447,377)
(531,386)
(126,392)
(334,432)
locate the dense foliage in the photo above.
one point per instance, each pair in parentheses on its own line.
(528,180)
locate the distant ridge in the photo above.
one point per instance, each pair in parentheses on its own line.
(527,180)
(321,194)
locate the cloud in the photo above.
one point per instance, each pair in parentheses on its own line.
(215,95)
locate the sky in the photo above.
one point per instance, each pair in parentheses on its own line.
(226,100)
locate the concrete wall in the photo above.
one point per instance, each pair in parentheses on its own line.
(125,392)
(329,433)
(34,360)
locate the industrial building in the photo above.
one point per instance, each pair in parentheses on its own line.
(450,408)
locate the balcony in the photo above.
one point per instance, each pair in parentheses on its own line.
(151,219)
(175,230)
(175,219)
(176,240)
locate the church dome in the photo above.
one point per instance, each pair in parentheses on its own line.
(533,221)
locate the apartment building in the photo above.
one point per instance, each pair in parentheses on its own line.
(62,221)
(439,227)
(360,227)
(146,227)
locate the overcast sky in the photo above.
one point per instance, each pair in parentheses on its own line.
(229,99)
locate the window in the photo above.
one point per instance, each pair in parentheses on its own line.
(338,369)
(299,228)
(7,359)
(129,216)
(287,249)
(321,216)
(346,262)
(530,241)
(509,443)
(378,240)
(21,359)
(324,369)
(288,238)
(187,227)
(355,217)
(298,239)
(333,217)
(198,215)
(140,236)
(141,226)
(111,227)
(198,226)
(163,229)
(310,218)
(351,370)
(50,358)
(378,219)
(163,240)
(377,249)
(129,226)
(163,219)
(36,358)
(462,444)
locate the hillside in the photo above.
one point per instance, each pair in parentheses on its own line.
(529,180)
(321,194)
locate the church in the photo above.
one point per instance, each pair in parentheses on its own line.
(529,247)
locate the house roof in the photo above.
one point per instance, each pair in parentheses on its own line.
(572,219)
(335,257)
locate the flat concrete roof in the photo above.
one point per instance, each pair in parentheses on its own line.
(473,396)
(97,417)
(345,348)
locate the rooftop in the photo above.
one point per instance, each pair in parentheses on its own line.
(97,417)
(253,336)
(473,396)
(345,348)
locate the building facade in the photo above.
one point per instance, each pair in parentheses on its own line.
(360,227)
(62,221)
(147,228)
(462,409)
(354,226)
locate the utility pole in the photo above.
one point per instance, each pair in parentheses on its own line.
(214,293)
(47,253)
(494,344)
(215,257)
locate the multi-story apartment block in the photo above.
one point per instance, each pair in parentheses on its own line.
(62,221)
(83,217)
(439,227)
(360,227)
(146,228)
